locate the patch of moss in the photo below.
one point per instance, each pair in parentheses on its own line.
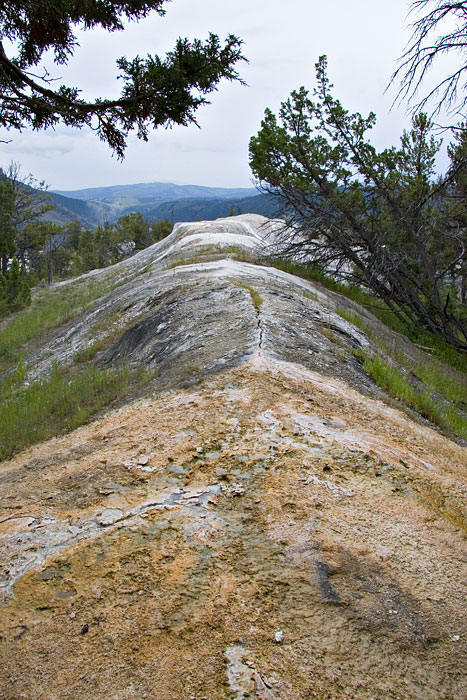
(256,298)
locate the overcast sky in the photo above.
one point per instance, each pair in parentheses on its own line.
(283,40)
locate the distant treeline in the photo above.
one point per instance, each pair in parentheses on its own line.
(34,250)
(91,213)
(210,209)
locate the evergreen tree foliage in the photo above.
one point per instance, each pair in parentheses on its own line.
(15,288)
(7,229)
(373,217)
(73,233)
(31,197)
(160,229)
(30,242)
(132,228)
(54,257)
(156,91)
(23,201)
(3,296)
(65,251)
(108,244)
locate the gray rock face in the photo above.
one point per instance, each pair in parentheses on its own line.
(207,328)
(190,316)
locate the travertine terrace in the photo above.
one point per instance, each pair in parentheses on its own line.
(261,526)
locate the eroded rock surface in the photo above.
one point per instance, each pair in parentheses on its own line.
(269,532)
(198,317)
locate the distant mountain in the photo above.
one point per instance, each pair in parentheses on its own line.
(209,209)
(173,202)
(66,209)
(155,201)
(159,190)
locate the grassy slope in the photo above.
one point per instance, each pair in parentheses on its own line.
(50,308)
(431,381)
(65,400)
(70,396)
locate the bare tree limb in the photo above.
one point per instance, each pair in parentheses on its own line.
(433,36)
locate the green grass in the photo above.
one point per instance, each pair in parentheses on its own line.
(310,295)
(256,298)
(414,395)
(436,378)
(65,400)
(69,396)
(308,272)
(332,336)
(12,382)
(242,255)
(192,371)
(108,321)
(217,252)
(437,347)
(184,261)
(50,308)
(426,386)
(89,352)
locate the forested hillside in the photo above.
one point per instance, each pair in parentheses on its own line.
(95,206)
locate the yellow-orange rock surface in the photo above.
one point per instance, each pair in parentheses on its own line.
(270,533)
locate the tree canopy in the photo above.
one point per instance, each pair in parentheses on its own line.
(156,91)
(380,219)
(23,200)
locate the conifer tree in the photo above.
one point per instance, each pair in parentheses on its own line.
(156,91)
(17,287)
(372,217)
(7,229)
(3,296)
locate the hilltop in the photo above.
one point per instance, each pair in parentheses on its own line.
(158,190)
(155,201)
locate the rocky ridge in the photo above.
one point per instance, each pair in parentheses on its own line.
(181,308)
(258,528)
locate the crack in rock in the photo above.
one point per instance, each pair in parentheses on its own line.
(261,331)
